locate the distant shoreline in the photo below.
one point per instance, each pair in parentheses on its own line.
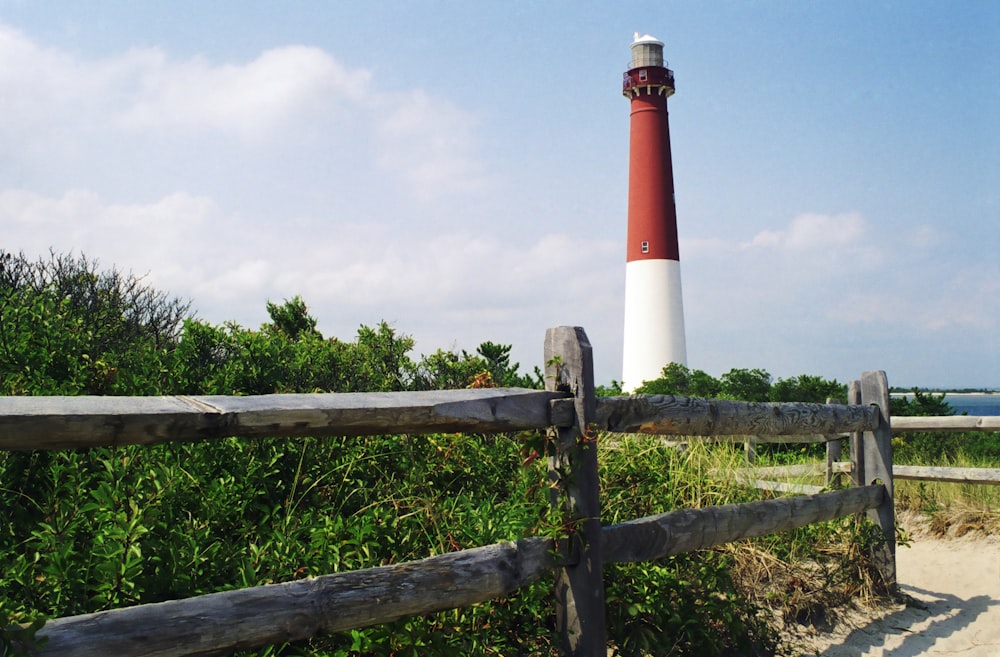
(947,392)
(986,404)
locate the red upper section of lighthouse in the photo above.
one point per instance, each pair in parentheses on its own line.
(648,78)
(652,217)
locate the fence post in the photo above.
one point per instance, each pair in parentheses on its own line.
(575,494)
(856,443)
(877,461)
(833,450)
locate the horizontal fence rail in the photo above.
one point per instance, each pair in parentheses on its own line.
(904,424)
(755,476)
(77,422)
(219,623)
(74,422)
(989,476)
(686,530)
(692,416)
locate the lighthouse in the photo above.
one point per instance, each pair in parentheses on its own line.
(654,311)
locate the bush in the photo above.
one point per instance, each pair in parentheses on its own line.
(67,327)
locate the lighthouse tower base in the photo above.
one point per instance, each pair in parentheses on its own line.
(654,321)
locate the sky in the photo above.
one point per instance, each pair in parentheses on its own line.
(460,169)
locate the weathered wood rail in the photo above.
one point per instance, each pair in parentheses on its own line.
(220,623)
(944,474)
(949,423)
(900,425)
(74,422)
(946,423)
(989,476)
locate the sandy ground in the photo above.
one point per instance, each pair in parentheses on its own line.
(955,583)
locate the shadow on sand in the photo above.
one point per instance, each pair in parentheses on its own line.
(947,614)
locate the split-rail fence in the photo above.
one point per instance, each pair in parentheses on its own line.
(219,623)
(771,477)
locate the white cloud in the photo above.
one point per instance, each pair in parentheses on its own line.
(252,101)
(58,106)
(453,271)
(924,236)
(429,142)
(168,238)
(837,284)
(928,301)
(192,248)
(813,231)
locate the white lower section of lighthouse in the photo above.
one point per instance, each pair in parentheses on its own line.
(654,321)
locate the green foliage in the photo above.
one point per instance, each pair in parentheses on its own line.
(614,389)
(502,372)
(178,520)
(98,529)
(920,404)
(380,359)
(68,328)
(743,384)
(447,370)
(677,379)
(686,606)
(490,366)
(747,385)
(230,360)
(292,318)
(808,388)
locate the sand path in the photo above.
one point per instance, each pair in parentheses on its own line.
(956,579)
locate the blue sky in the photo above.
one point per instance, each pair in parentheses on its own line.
(460,169)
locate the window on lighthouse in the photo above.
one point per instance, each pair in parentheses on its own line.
(645,247)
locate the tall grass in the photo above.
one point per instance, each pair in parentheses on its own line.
(743,588)
(951,507)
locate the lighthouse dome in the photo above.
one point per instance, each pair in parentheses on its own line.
(645,38)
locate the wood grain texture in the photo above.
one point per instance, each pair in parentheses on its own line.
(72,422)
(988,476)
(755,477)
(219,623)
(782,486)
(946,423)
(574,484)
(693,416)
(855,442)
(877,448)
(685,530)
(833,452)
(801,470)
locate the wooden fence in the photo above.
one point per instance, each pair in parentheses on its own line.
(989,476)
(766,478)
(219,623)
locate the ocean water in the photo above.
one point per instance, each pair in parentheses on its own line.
(972,404)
